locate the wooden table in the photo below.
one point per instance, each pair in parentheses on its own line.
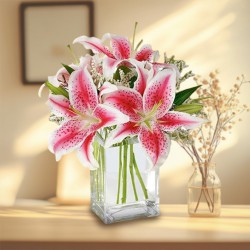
(75,227)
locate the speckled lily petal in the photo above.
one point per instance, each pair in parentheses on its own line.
(127,100)
(94,44)
(160,91)
(120,45)
(85,153)
(82,91)
(121,132)
(144,75)
(156,144)
(145,53)
(173,120)
(67,138)
(108,116)
(60,106)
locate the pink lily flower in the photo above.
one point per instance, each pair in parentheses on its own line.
(120,51)
(83,117)
(144,74)
(150,115)
(61,78)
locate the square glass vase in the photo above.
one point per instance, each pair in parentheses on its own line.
(123,187)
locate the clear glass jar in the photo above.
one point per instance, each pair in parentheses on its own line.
(123,187)
(204,191)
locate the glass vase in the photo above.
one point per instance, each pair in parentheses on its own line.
(123,187)
(204,192)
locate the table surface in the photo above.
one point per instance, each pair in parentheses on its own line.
(77,224)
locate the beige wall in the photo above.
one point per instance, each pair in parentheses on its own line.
(208,34)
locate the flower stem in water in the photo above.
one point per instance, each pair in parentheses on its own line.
(124,175)
(119,174)
(131,163)
(140,178)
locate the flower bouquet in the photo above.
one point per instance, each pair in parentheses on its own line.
(117,107)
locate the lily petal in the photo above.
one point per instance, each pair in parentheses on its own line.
(108,116)
(160,66)
(160,91)
(60,106)
(127,100)
(94,44)
(82,91)
(106,88)
(173,120)
(121,132)
(156,144)
(109,67)
(67,138)
(63,75)
(85,61)
(143,76)
(54,81)
(120,45)
(85,153)
(145,53)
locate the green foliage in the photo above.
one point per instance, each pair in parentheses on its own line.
(132,81)
(186,76)
(57,90)
(68,68)
(180,64)
(125,70)
(129,78)
(183,95)
(190,108)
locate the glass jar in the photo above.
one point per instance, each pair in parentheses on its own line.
(123,187)
(204,191)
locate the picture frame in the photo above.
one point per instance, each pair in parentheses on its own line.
(46,28)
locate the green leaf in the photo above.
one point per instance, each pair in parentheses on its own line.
(68,68)
(183,95)
(132,81)
(117,73)
(57,90)
(190,108)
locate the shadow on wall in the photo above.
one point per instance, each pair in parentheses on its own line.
(40,178)
(27,168)
(29,178)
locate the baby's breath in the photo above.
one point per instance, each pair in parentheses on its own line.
(221,110)
(98,78)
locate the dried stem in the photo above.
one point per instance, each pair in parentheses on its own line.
(221,112)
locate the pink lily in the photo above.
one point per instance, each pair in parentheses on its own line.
(83,117)
(119,53)
(143,76)
(150,115)
(61,78)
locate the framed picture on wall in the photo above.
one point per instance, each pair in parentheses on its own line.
(46,28)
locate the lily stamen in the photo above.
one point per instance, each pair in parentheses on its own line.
(87,117)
